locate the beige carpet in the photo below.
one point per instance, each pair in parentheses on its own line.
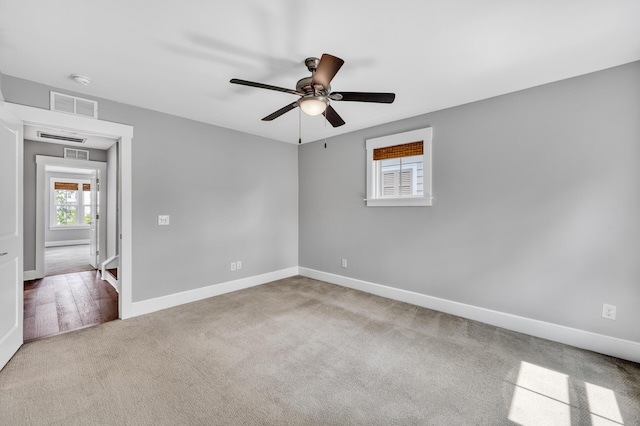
(67,259)
(300,351)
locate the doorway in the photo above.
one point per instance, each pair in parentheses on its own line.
(70,219)
(123,134)
(72,212)
(75,206)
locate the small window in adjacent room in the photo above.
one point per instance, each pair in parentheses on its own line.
(399,169)
(70,203)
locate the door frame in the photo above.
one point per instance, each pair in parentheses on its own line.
(43,190)
(124,135)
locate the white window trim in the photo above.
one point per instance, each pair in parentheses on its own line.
(53,226)
(424,135)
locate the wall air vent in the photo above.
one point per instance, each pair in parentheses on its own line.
(78,154)
(73,105)
(61,137)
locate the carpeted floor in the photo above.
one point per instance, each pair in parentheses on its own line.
(66,259)
(300,351)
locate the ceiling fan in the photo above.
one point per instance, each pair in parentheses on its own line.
(315,91)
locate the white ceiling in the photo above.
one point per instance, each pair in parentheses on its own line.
(178,56)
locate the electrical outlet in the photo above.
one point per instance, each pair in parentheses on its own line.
(239,264)
(344,263)
(608,311)
(163,219)
(233,266)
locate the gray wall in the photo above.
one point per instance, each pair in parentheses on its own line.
(536,210)
(31,149)
(231,196)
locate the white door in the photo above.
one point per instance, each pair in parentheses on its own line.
(95,223)
(11,270)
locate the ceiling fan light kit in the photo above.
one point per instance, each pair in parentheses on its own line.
(315,91)
(313,105)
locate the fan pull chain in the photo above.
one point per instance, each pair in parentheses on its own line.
(325,129)
(299,126)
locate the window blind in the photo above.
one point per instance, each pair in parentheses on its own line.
(86,187)
(68,186)
(397,151)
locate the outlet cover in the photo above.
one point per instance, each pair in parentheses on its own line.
(344,263)
(163,219)
(239,264)
(608,311)
(233,266)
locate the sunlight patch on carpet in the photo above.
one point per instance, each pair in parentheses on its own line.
(541,397)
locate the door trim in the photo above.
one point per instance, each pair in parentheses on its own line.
(124,135)
(42,161)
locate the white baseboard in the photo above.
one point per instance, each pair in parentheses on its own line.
(620,348)
(30,275)
(169,301)
(65,243)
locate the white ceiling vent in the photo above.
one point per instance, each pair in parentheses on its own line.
(62,138)
(73,105)
(78,154)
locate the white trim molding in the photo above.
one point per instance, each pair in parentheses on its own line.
(113,261)
(176,299)
(30,275)
(111,280)
(620,348)
(65,243)
(63,121)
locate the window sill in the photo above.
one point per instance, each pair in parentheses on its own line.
(65,228)
(400,202)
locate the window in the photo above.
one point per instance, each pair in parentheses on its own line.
(70,203)
(399,169)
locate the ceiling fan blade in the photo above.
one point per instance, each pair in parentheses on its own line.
(382,98)
(263,86)
(281,111)
(333,117)
(327,69)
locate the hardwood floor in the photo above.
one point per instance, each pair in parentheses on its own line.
(61,303)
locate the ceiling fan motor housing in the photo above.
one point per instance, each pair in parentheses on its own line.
(304,86)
